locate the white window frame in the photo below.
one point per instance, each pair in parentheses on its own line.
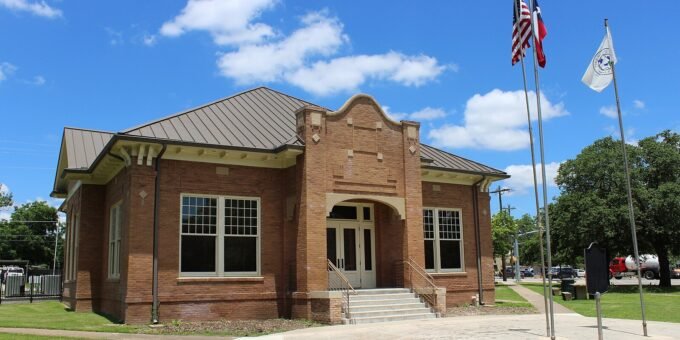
(436,246)
(114,240)
(219,238)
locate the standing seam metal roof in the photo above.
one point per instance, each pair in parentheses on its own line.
(260,118)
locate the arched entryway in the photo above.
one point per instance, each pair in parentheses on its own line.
(364,240)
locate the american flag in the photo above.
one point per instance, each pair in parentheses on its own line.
(521,30)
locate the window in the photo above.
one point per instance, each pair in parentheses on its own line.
(114,240)
(220,236)
(442,232)
(72,248)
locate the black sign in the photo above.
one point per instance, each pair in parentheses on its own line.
(597,269)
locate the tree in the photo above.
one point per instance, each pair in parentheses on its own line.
(30,235)
(503,230)
(593,205)
(5,197)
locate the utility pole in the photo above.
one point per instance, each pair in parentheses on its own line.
(500,192)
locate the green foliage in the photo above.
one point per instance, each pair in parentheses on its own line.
(593,202)
(503,231)
(27,236)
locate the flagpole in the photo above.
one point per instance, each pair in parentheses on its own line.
(533,168)
(546,219)
(630,194)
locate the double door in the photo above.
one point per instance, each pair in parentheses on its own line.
(351,247)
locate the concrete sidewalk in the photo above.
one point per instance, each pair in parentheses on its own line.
(506,327)
(537,301)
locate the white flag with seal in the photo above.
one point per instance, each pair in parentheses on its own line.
(599,72)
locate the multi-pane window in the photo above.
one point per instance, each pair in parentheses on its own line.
(219,236)
(442,232)
(114,240)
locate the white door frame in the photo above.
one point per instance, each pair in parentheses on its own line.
(361,277)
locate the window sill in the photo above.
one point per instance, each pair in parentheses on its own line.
(445,274)
(220,279)
(113,279)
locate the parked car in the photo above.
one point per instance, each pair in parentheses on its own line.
(510,272)
(528,272)
(563,272)
(580,273)
(675,272)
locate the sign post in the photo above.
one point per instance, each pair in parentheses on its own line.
(597,278)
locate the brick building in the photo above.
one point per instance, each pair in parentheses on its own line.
(259,194)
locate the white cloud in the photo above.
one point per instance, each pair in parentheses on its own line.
(521,179)
(39,8)
(496,120)
(149,39)
(38,81)
(428,113)
(321,36)
(4,189)
(347,73)
(609,111)
(228,21)
(6,70)
(395,116)
(256,53)
(115,37)
(639,104)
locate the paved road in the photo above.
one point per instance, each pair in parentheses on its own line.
(626,281)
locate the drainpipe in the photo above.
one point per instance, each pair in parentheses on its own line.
(475,210)
(156,206)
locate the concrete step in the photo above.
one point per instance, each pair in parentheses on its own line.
(368,308)
(374,319)
(382,291)
(365,297)
(358,303)
(390,312)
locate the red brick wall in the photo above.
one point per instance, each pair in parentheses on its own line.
(212,298)
(462,286)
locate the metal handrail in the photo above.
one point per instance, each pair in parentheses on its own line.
(344,286)
(426,289)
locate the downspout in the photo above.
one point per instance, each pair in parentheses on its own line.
(475,210)
(156,207)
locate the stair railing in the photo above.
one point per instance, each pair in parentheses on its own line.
(421,283)
(337,281)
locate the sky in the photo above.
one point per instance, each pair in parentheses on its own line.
(111,65)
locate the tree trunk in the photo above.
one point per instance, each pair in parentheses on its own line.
(664,267)
(503,269)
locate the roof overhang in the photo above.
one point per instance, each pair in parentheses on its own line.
(439,175)
(123,149)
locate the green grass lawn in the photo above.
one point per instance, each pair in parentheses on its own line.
(506,297)
(53,315)
(13,336)
(623,302)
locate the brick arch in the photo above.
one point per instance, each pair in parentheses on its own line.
(396,203)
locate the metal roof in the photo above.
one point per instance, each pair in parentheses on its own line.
(447,161)
(83,146)
(260,118)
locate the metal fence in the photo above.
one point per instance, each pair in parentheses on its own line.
(30,287)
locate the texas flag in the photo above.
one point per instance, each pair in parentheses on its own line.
(539,33)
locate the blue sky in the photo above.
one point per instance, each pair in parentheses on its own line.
(110,65)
